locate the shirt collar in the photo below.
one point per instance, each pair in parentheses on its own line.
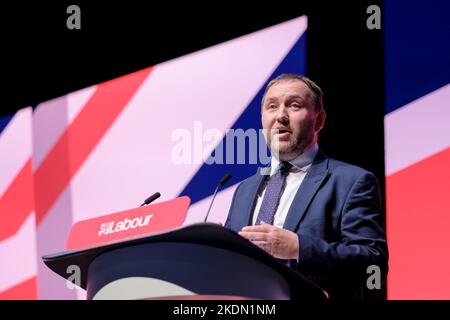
(300,163)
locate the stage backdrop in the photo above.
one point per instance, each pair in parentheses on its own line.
(417,148)
(106,148)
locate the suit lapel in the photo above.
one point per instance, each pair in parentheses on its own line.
(250,193)
(314,178)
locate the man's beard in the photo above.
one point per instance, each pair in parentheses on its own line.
(287,149)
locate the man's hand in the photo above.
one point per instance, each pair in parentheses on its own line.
(280,243)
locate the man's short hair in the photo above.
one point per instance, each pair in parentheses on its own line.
(315,89)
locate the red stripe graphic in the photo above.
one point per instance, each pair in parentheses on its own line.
(17,202)
(418,224)
(80,138)
(26,290)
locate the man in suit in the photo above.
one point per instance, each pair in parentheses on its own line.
(321,216)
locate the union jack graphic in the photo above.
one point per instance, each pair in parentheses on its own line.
(103,149)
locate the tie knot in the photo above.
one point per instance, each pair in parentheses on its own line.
(284,167)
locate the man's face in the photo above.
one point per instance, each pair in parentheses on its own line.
(289,108)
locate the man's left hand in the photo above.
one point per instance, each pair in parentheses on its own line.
(281,243)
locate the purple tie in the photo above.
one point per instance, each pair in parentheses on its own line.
(273,193)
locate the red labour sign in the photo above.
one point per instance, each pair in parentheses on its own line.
(128,224)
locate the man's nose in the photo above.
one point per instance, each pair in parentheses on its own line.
(282,115)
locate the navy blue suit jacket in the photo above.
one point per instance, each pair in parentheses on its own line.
(338,218)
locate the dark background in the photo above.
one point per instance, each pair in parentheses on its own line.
(42,59)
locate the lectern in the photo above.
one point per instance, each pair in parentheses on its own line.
(198,260)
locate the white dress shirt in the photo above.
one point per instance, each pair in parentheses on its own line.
(297,173)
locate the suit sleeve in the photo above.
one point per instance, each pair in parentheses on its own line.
(228,224)
(362,240)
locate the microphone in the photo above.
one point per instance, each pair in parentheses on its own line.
(152,198)
(221,183)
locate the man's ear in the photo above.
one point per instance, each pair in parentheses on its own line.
(320,120)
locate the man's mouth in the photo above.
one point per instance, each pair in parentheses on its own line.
(283,133)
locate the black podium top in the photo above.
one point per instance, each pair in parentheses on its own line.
(208,234)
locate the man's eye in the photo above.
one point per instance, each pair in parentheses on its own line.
(296,106)
(271,106)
